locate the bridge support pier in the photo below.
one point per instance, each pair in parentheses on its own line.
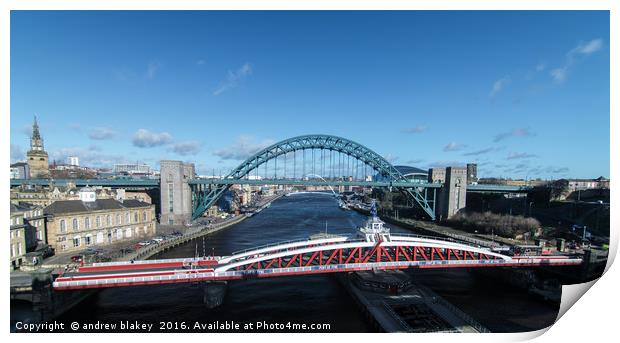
(214,293)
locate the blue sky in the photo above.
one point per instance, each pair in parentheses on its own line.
(523,94)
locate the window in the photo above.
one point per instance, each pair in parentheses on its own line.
(75,224)
(118,219)
(18,233)
(98,221)
(127,218)
(107,220)
(87,222)
(19,249)
(143,216)
(170,197)
(88,240)
(76,242)
(63,226)
(135,217)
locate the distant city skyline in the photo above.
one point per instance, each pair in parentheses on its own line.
(522,94)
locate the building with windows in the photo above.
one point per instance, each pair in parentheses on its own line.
(73,161)
(27,230)
(132,168)
(74,225)
(437,175)
(37,158)
(20,170)
(472,173)
(583,184)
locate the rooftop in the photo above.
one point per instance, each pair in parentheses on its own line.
(78,206)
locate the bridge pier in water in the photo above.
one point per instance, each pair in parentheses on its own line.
(214,293)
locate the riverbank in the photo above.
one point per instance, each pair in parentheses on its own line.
(432,229)
(193,233)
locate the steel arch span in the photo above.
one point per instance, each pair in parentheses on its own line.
(202,199)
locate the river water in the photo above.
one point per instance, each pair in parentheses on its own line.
(301,299)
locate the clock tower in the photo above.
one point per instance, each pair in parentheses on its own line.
(37,157)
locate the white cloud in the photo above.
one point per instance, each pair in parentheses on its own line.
(415,161)
(499,85)
(147,139)
(101,133)
(589,47)
(416,129)
(560,74)
(453,146)
(391,158)
(478,152)
(519,155)
(444,164)
(75,127)
(185,148)
(517,132)
(245,147)
(88,157)
(234,79)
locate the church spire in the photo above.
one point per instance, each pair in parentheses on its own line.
(36,142)
(35,129)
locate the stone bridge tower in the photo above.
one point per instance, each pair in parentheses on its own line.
(176,195)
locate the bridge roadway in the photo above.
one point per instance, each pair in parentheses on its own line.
(321,254)
(155,183)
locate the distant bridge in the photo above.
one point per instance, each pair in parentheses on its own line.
(326,254)
(337,161)
(155,183)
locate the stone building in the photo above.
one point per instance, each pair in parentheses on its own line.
(472,173)
(175,194)
(437,175)
(27,229)
(74,225)
(46,195)
(37,158)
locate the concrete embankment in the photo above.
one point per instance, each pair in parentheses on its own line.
(392,303)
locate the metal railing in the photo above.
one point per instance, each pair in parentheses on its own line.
(456,311)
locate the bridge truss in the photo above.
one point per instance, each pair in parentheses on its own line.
(336,158)
(305,257)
